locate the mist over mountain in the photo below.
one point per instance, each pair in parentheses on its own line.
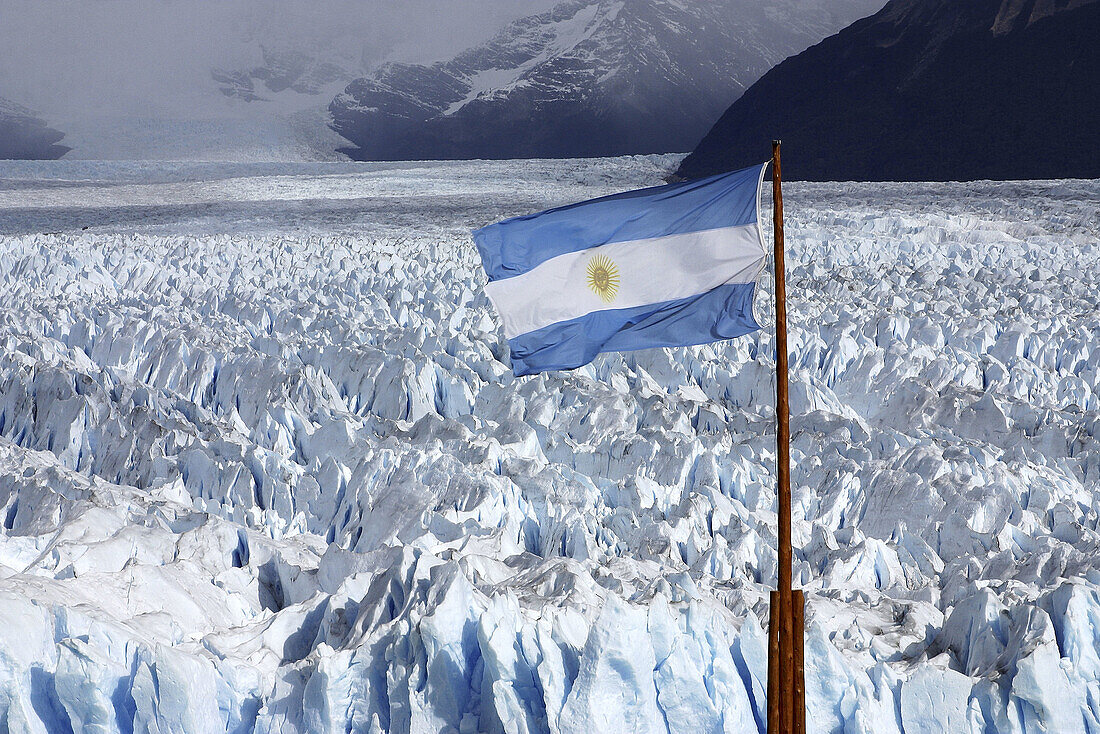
(25,135)
(586,78)
(929,90)
(247,80)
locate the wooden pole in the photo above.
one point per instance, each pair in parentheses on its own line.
(783,446)
(774,615)
(799,611)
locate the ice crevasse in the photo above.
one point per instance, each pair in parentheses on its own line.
(269,481)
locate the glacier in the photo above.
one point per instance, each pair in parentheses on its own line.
(264,468)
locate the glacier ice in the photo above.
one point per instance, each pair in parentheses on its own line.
(263,466)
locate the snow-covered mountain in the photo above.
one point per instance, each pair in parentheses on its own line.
(585,78)
(929,90)
(23,134)
(281,70)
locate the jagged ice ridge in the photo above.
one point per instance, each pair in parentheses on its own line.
(263,466)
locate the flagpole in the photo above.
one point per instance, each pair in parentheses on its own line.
(782,677)
(798,614)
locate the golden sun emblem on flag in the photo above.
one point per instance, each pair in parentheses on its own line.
(603,277)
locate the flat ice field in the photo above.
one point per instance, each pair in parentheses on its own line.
(263,465)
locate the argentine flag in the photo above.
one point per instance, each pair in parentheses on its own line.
(667,266)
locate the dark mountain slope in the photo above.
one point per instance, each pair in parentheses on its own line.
(23,135)
(929,90)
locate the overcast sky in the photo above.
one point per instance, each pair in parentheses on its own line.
(129,57)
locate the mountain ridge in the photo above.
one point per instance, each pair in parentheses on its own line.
(928,90)
(26,136)
(586,78)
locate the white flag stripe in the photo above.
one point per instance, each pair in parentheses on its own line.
(649,271)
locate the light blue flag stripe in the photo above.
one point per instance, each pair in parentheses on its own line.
(722,313)
(517,245)
(679,265)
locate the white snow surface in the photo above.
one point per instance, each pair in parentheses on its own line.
(263,465)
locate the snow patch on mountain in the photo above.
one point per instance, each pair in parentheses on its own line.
(263,466)
(562,36)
